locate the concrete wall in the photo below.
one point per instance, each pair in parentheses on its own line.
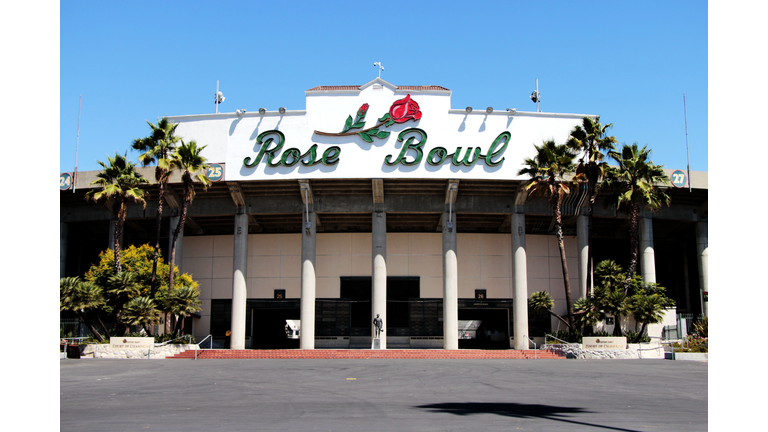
(274,262)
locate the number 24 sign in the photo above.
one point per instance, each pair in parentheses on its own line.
(215,172)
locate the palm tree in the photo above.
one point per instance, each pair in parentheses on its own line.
(122,288)
(634,187)
(547,171)
(158,147)
(141,311)
(119,183)
(648,308)
(182,302)
(541,301)
(590,139)
(80,297)
(191,163)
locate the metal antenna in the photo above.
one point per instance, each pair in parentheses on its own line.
(687,155)
(381,68)
(77,145)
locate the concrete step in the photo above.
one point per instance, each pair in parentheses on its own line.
(369,354)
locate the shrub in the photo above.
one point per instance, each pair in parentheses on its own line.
(188,339)
(636,337)
(701,327)
(571,337)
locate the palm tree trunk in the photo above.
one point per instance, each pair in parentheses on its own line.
(176,233)
(119,221)
(159,222)
(556,202)
(617,325)
(90,326)
(634,245)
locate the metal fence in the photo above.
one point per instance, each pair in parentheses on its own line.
(682,328)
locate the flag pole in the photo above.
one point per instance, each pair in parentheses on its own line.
(77,145)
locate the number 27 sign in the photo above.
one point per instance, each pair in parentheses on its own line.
(679,179)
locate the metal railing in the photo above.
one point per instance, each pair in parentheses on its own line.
(569,344)
(535,350)
(201,342)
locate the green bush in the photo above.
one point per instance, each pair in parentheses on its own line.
(187,339)
(636,337)
(571,337)
(701,327)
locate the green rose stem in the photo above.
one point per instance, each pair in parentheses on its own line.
(349,133)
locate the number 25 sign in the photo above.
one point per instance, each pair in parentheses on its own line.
(215,172)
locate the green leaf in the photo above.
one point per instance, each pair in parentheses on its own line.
(358,125)
(348,124)
(390,122)
(383,134)
(386,117)
(366,137)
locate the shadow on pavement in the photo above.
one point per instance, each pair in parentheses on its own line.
(517,410)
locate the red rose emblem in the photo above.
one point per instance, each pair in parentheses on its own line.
(363,109)
(405,109)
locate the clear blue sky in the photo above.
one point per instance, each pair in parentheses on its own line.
(629,62)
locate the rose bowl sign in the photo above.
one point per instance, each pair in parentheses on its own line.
(375,131)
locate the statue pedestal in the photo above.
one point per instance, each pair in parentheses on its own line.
(376,344)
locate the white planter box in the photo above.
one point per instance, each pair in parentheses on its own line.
(692,356)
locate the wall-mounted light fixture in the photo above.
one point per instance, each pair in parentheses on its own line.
(489,110)
(469,109)
(262,111)
(240,112)
(282,110)
(512,110)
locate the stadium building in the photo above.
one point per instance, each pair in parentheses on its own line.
(384,200)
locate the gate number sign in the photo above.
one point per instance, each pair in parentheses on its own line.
(215,172)
(679,179)
(65,181)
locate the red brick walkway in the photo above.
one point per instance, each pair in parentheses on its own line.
(368,354)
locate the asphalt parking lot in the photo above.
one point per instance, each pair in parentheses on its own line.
(383,395)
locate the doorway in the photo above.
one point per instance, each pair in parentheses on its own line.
(492,332)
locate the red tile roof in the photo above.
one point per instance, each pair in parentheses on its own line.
(351,87)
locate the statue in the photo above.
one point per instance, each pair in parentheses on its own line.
(379,324)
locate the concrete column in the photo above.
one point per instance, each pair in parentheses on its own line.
(519,282)
(239,291)
(379,272)
(647,259)
(307,313)
(450,286)
(582,242)
(702,251)
(173,223)
(62,249)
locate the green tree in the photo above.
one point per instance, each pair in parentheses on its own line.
(547,171)
(634,186)
(119,183)
(180,303)
(648,308)
(82,299)
(587,313)
(591,139)
(137,260)
(191,163)
(157,148)
(121,288)
(541,302)
(141,311)
(646,301)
